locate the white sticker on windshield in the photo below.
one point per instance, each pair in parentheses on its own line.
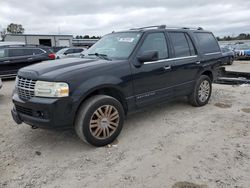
(126,39)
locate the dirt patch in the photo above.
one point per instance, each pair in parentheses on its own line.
(188,185)
(158,147)
(223,105)
(246,110)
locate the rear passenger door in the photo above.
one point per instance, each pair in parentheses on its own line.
(186,63)
(4,62)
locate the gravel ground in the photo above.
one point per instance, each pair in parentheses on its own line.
(168,145)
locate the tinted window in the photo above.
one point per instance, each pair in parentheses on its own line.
(2,53)
(78,50)
(27,51)
(16,52)
(37,51)
(155,42)
(191,45)
(69,51)
(207,42)
(180,44)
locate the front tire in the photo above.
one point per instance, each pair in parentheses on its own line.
(202,91)
(99,120)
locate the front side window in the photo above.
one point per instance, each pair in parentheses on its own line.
(207,42)
(181,45)
(155,42)
(115,45)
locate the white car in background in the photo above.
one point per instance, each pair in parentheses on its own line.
(69,52)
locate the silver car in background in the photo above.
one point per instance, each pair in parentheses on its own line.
(69,52)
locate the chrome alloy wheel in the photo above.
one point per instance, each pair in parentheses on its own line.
(104,122)
(204,91)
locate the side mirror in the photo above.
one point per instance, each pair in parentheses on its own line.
(148,56)
(65,53)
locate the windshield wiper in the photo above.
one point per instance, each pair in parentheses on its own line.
(102,56)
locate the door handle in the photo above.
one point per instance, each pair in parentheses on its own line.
(6,61)
(30,58)
(167,67)
(197,62)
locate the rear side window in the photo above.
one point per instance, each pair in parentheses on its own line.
(69,51)
(207,42)
(182,44)
(28,51)
(78,50)
(16,52)
(155,42)
(38,51)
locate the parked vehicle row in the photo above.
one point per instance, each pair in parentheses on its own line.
(121,73)
(14,57)
(241,50)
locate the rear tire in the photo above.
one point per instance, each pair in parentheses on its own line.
(231,60)
(202,91)
(99,120)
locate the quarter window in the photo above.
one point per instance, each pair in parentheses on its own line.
(181,45)
(207,42)
(155,42)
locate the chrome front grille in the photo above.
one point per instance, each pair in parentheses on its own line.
(25,88)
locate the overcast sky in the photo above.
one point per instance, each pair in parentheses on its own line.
(98,17)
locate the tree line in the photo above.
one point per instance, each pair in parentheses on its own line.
(87,37)
(242,36)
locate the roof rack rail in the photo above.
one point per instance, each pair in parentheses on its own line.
(148,27)
(194,28)
(164,27)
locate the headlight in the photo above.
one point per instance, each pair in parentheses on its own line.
(51,89)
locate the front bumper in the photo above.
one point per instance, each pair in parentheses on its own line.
(44,112)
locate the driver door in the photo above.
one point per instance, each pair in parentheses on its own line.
(153,81)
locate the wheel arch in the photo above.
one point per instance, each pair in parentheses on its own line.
(107,89)
(208,73)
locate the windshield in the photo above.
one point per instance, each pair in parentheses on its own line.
(115,45)
(62,51)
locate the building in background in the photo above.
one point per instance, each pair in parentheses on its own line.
(46,40)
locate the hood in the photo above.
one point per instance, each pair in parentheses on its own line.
(52,69)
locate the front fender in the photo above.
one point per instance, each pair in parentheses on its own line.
(92,84)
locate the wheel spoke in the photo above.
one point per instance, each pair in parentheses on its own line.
(104,122)
(113,114)
(113,124)
(106,110)
(101,112)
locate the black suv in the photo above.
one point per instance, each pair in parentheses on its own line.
(122,72)
(14,57)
